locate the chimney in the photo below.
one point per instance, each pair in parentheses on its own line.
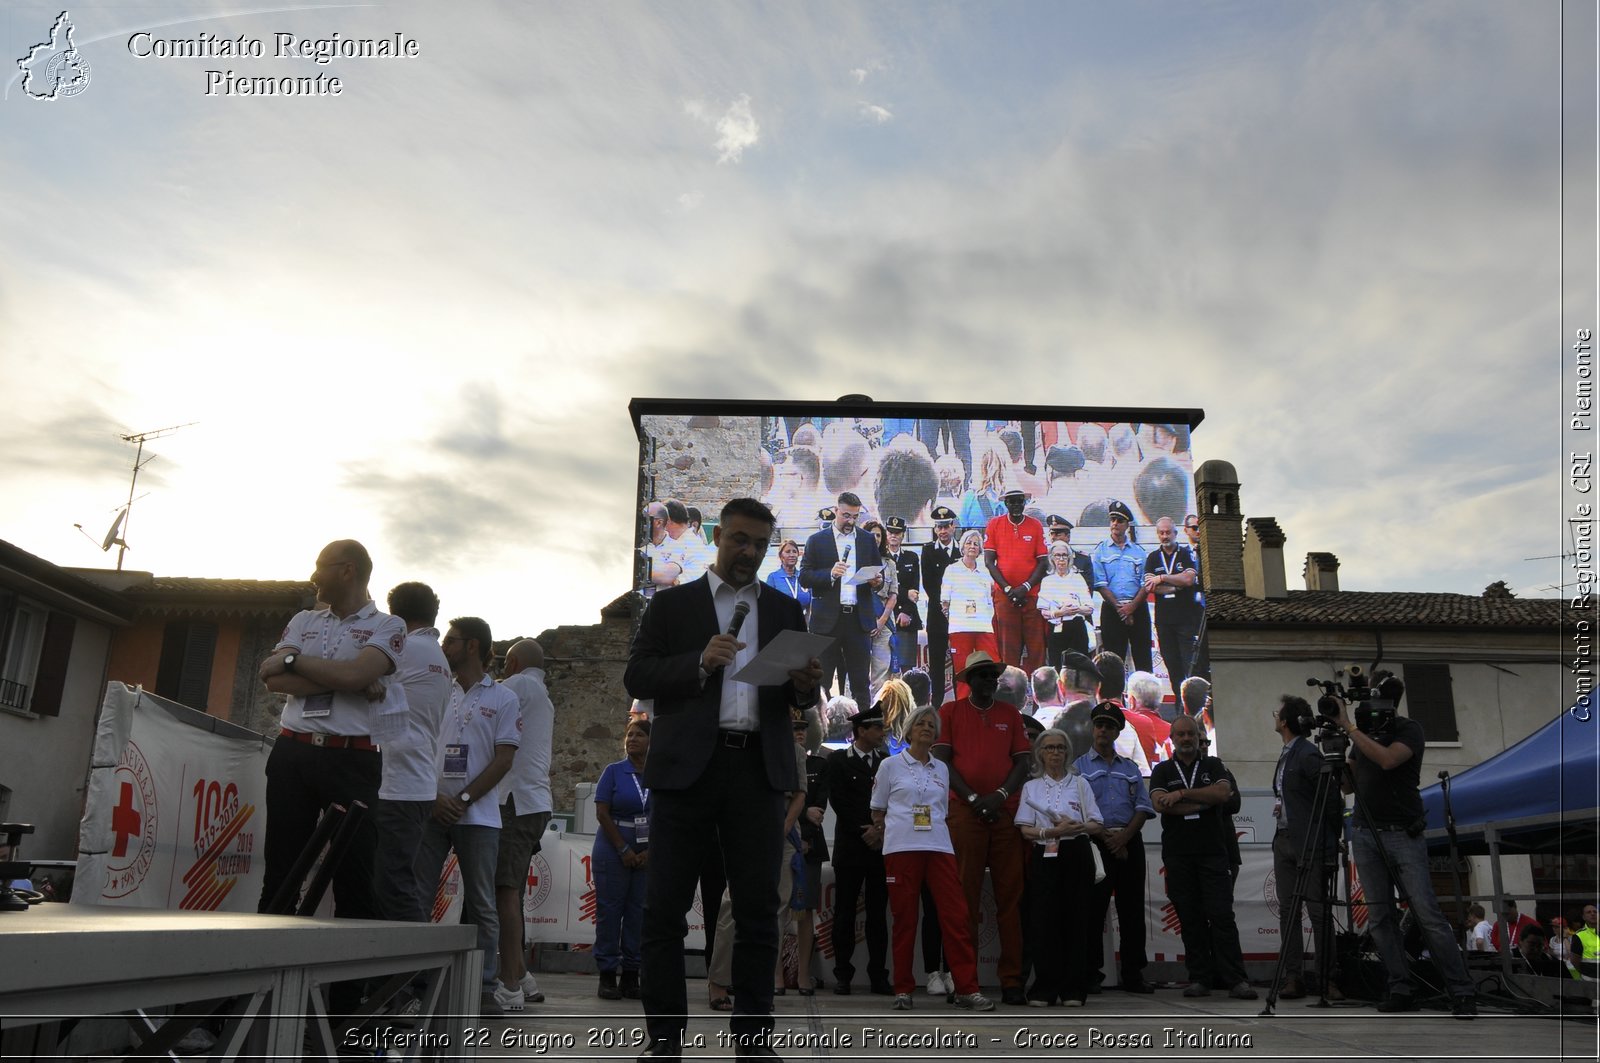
(1263,559)
(1216,491)
(1322,572)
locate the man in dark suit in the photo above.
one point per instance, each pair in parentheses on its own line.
(936,557)
(721,759)
(848,614)
(858,855)
(907,621)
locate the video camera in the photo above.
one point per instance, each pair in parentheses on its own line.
(1375,704)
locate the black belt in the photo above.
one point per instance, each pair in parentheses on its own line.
(847,608)
(738,739)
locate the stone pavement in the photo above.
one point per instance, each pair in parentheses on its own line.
(573,1024)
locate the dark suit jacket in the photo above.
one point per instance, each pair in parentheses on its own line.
(820,556)
(850,791)
(934,561)
(1300,774)
(664,665)
(909,570)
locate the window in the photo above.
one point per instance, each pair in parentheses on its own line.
(1430,700)
(35,647)
(187,649)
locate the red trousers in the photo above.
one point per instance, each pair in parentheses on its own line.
(1018,628)
(963,643)
(906,873)
(1000,847)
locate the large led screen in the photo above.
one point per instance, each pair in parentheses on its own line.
(1099,490)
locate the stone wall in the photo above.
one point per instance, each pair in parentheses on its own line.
(703,461)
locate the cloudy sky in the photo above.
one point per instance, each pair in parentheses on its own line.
(414,313)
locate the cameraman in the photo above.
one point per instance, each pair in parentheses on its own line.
(1385,770)
(1294,791)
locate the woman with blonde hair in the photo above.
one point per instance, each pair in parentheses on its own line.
(982,500)
(896,702)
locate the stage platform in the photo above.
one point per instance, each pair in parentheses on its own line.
(267,974)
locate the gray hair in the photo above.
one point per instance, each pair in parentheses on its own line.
(1145,689)
(916,717)
(1038,760)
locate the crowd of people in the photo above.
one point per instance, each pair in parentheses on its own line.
(1044,781)
(962,532)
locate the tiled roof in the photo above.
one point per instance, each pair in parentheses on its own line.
(1386,609)
(207,586)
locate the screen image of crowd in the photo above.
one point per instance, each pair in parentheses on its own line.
(1029,539)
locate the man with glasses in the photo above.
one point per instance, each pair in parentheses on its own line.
(858,855)
(1119,579)
(1124,807)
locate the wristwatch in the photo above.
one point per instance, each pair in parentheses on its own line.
(288,662)
(972,798)
(464,797)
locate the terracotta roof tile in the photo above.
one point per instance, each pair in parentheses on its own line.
(1388,609)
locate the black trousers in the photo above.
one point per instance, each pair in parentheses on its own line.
(1072,638)
(1201,889)
(1060,889)
(1177,649)
(731,805)
(851,652)
(302,780)
(849,883)
(1130,641)
(938,651)
(1125,879)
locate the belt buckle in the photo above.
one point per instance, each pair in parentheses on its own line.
(318,738)
(735,739)
(847,608)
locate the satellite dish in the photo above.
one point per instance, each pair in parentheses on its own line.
(111,536)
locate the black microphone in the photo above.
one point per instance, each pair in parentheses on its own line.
(740,611)
(846,558)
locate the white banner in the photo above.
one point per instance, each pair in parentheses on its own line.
(174,813)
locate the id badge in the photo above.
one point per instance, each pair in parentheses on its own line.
(1052,848)
(1192,815)
(317,706)
(641,829)
(971,607)
(455,762)
(921,817)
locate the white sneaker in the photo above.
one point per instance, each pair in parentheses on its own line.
(937,987)
(530,989)
(508,999)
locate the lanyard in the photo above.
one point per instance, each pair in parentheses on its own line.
(1188,783)
(1167,562)
(327,628)
(793,583)
(924,774)
(468,703)
(644,793)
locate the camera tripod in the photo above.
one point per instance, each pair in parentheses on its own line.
(1312,862)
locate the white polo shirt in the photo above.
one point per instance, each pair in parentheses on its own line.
(318,633)
(528,781)
(482,718)
(423,677)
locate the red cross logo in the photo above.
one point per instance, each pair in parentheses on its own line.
(125,820)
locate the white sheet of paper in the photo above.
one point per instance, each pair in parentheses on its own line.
(787,651)
(864,575)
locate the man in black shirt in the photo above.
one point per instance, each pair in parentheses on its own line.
(1385,769)
(1189,791)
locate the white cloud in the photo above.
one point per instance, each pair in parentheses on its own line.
(737,129)
(689,201)
(860,74)
(872,112)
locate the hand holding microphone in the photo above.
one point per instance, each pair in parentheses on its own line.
(841,566)
(722,649)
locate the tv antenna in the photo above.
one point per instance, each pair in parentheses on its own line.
(125,513)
